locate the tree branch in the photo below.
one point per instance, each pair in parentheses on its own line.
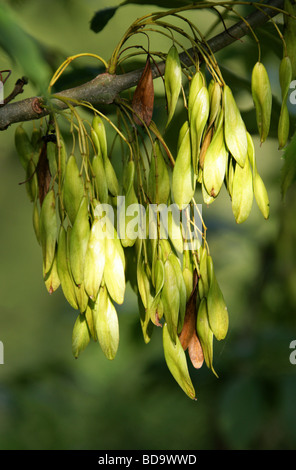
(104,88)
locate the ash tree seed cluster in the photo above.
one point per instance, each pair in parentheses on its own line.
(84,250)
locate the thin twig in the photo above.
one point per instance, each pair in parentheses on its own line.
(104,88)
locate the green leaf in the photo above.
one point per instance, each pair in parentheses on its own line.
(23,49)
(101,18)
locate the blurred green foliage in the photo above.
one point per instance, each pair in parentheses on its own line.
(49,400)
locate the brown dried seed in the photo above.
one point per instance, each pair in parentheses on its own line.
(143,99)
(195,351)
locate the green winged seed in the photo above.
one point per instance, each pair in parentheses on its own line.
(172,81)
(73,189)
(106,324)
(183,130)
(182,289)
(215,96)
(205,334)
(198,119)
(146,325)
(132,219)
(283,126)
(94,260)
(188,280)
(143,284)
(175,230)
(99,129)
(155,306)
(114,270)
(159,276)
(67,283)
(176,361)
(260,191)
(128,221)
(203,269)
(89,317)
(261,195)
(128,178)
(187,267)
(217,309)
(206,197)
(80,293)
(100,179)
(96,142)
(51,279)
(111,178)
(230,173)
(262,97)
(79,241)
(48,230)
(61,158)
(183,183)
(166,248)
(285,76)
(80,335)
(242,192)
(159,180)
(215,162)
(100,142)
(196,84)
(82,297)
(170,297)
(234,128)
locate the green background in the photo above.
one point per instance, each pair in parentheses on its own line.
(49,400)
